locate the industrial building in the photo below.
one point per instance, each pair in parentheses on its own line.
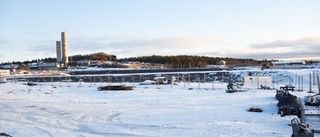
(47,66)
(62,50)
(299,64)
(59,51)
(4,72)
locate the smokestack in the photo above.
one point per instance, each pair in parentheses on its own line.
(64,43)
(59,51)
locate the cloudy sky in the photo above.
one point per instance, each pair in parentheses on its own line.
(257,29)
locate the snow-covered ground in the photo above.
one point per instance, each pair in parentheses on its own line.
(148,111)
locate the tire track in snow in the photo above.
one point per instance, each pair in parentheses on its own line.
(42,131)
(35,119)
(149,130)
(83,126)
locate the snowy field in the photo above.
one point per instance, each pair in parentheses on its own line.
(146,111)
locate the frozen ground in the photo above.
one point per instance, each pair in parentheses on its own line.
(44,111)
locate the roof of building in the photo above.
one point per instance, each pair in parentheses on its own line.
(289,62)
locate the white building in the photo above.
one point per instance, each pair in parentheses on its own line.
(3,79)
(4,72)
(257,81)
(299,64)
(222,63)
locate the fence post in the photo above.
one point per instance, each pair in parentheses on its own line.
(310,83)
(318,83)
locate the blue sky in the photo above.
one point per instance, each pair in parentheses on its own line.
(257,29)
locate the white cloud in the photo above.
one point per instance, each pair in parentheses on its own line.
(133,46)
(305,43)
(128,46)
(304,48)
(124,46)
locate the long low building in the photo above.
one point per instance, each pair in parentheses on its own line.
(47,66)
(4,72)
(299,64)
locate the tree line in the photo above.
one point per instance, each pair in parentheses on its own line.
(101,56)
(179,61)
(187,61)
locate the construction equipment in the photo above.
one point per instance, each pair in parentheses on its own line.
(115,87)
(232,88)
(312,100)
(309,123)
(300,129)
(288,104)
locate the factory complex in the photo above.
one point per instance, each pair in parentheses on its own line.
(62,50)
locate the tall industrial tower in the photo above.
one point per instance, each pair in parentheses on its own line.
(59,52)
(64,44)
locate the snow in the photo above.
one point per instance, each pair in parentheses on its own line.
(48,110)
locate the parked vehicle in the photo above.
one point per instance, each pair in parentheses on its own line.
(232,88)
(312,100)
(288,104)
